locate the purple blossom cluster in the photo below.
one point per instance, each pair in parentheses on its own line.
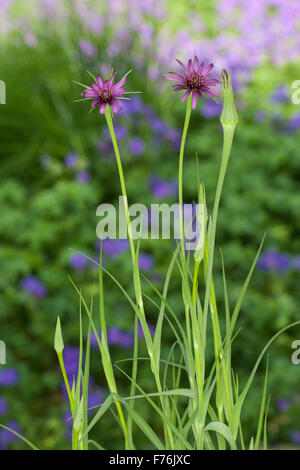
(248,34)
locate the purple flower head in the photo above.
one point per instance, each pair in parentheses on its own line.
(88,48)
(83,176)
(163,188)
(103,93)
(78,261)
(282,404)
(33,286)
(114,248)
(8,377)
(136,146)
(71,159)
(6,436)
(146,261)
(295,437)
(3,406)
(273,261)
(195,79)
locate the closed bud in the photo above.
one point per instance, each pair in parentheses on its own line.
(58,339)
(229,115)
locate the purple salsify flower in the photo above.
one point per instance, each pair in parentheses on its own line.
(195,79)
(3,406)
(146,261)
(8,377)
(71,159)
(162,188)
(136,146)
(114,248)
(273,261)
(33,286)
(83,176)
(105,93)
(78,261)
(6,436)
(283,404)
(295,437)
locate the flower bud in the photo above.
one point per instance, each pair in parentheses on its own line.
(229,115)
(58,339)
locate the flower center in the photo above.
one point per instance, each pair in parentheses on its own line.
(195,81)
(105,94)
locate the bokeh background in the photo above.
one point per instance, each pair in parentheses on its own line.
(57,166)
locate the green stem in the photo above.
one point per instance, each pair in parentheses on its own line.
(136,279)
(180,170)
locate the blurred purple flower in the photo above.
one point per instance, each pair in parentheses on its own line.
(71,360)
(295,437)
(95,397)
(211,109)
(114,248)
(141,333)
(83,176)
(136,146)
(78,261)
(280,95)
(146,261)
(120,131)
(8,377)
(71,159)
(163,188)
(133,106)
(282,404)
(6,437)
(294,123)
(273,261)
(260,116)
(3,406)
(33,286)
(296,263)
(88,48)
(117,337)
